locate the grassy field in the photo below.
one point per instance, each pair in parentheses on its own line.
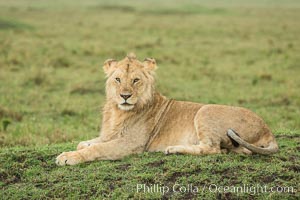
(241,53)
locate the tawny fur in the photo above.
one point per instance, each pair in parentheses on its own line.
(149,121)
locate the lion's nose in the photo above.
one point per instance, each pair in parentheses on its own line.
(125,96)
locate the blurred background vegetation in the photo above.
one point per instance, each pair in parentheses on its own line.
(241,53)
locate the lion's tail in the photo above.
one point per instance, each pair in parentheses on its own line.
(272,148)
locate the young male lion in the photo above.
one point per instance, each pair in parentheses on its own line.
(136,118)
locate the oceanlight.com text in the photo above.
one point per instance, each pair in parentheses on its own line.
(213,188)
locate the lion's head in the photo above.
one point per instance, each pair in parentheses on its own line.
(130,83)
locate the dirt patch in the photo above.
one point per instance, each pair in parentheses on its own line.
(19,158)
(10,179)
(283,159)
(286,177)
(189,195)
(156,163)
(295,168)
(123,167)
(268,179)
(293,158)
(225,196)
(229,174)
(175,176)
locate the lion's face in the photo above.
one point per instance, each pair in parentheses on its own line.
(130,83)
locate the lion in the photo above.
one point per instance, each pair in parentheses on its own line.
(137,118)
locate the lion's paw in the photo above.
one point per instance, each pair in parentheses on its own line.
(172,150)
(69,158)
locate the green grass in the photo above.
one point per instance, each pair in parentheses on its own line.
(30,173)
(242,53)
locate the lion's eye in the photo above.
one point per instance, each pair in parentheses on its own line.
(136,80)
(118,80)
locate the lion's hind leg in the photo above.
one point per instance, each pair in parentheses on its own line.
(241,150)
(201,149)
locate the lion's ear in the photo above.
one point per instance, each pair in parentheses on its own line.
(150,63)
(109,66)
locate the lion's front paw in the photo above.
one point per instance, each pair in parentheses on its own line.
(172,149)
(69,158)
